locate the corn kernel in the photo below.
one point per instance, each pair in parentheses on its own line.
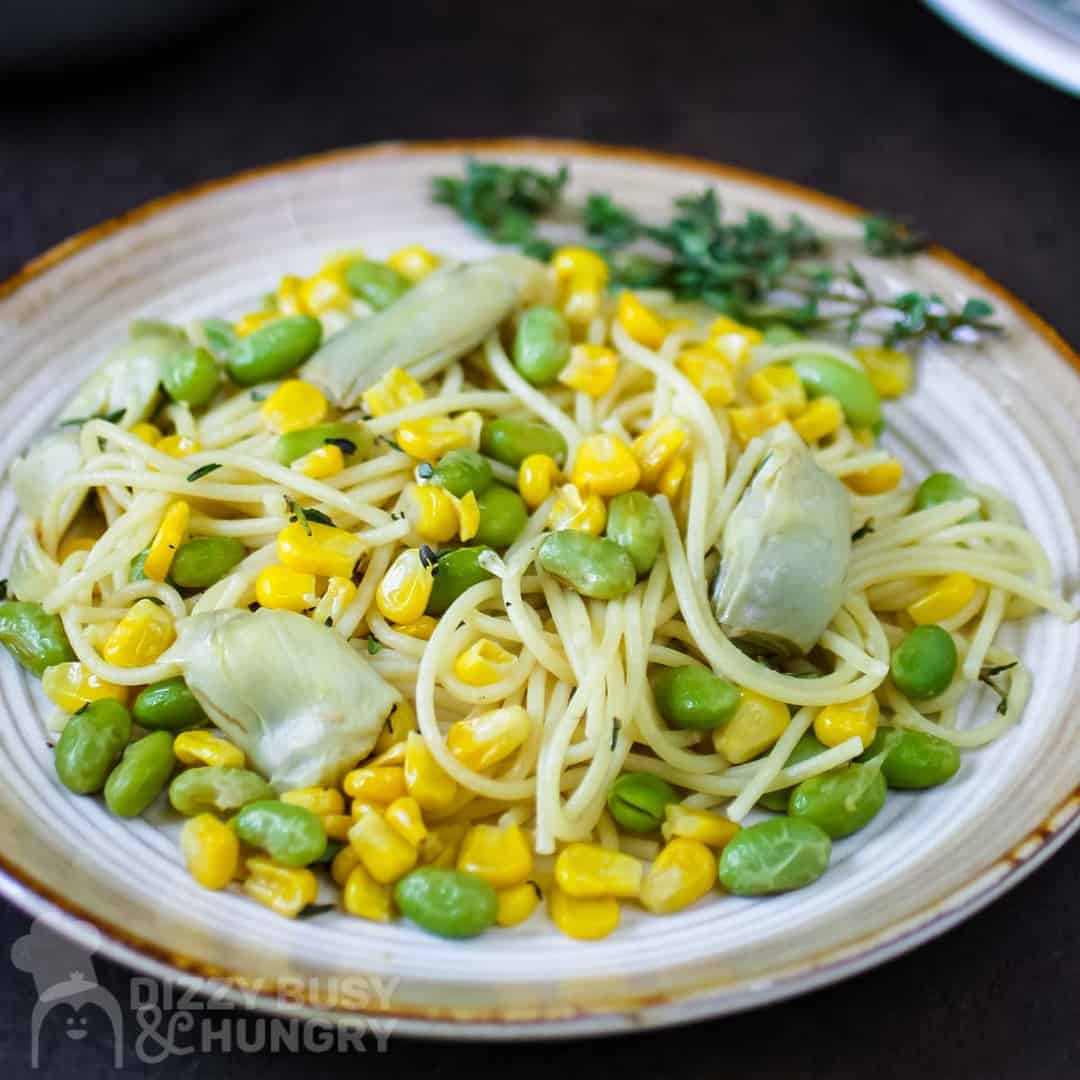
(837,723)
(779,383)
(823,416)
(499,855)
(294,405)
(384,853)
(710,372)
(340,593)
(404,815)
(337,826)
(325,291)
(399,723)
(314,548)
(343,863)
(177,446)
(375,784)
(365,897)
(877,479)
(288,297)
(641,323)
(683,872)
(516,903)
(570,261)
(284,589)
(483,663)
(171,533)
(442,844)
(204,748)
(592,370)
(715,830)
(749,423)
(147,433)
(421,628)
(484,740)
(950,595)
(588,870)
(656,446)
(585,919)
(432,513)
(404,591)
(865,437)
(284,889)
(671,479)
(211,851)
(71,686)
(581,276)
(429,438)
(889,370)
(413,262)
(425,780)
(605,466)
(319,800)
(733,339)
(468,513)
(757,724)
(320,463)
(140,637)
(397,389)
(536,476)
(254,320)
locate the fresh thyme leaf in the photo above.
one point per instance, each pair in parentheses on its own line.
(988,674)
(428,556)
(346,446)
(374,646)
(992,672)
(201,471)
(318,516)
(864,530)
(312,910)
(299,513)
(536,889)
(976,309)
(3,588)
(615,725)
(110,418)
(390,442)
(887,237)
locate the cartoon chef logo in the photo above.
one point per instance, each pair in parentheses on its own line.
(64,977)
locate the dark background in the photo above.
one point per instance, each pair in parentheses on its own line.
(879,103)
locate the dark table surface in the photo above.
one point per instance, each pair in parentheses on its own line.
(878,103)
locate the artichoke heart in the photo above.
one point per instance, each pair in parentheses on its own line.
(291,693)
(447,314)
(785,553)
(45,467)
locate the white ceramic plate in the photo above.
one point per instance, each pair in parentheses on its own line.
(1007,414)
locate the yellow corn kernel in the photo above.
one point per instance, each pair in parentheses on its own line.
(177,446)
(570,511)
(204,748)
(375,784)
(325,291)
(779,383)
(314,548)
(421,628)
(340,593)
(384,853)
(671,479)
(425,780)
(295,404)
(757,724)
(468,512)
(592,370)
(399,723)
(405,816)
(823,416)
(581,276)
(429,438)
(211,851)
(950,595)
(343,863)
(319,800)
(838,723)
(284,589)
(588,870)
(342,260)
(405,588)
(171,533)
(567,262)
(483,663)
(605,466)
(147,433)
(365,897)
(715,830)
(484,740)
(537,475)
(641,323)
(288,297)
(70,544)
(413,262)
(431,512)
(254,320)
(284,889)
(755,420)
(442,844)
(397,389)
(320,463)
(877,479)
(889,370)
(71,686)
(683,872)
(584,919)
(337,826)
(517,903)
(140,637)
(710,372)
(656,446)
(500,855)
(733,339)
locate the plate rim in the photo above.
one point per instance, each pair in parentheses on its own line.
(663,1010)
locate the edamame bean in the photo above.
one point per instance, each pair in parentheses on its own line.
(594,566)
(924,663)
(351,438)
(774,856)
(35,638)
(90,745)
(457,570)
(692,697)
(380,285)
(462,471)
(512,441)
(217,788)
(942,487)
(203,560)
(168,706)
(503,515)
(851,386)
(449,903)
(840,802)
(292,835)
(274,349)
(913,759)
(806,748)
(637,801)
(141,776)
(633,522)
(541,345)
(190,374)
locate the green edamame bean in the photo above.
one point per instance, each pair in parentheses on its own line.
(35,638)
(292,835)
(90,745)
(512,441)
(190,374)
(913,759)
(637,801)
(851,386)
(840,802)
(217,788)
(924,663)
(503,514)
(380,285)
(693,697)
(806,748)
(942,487)
(351,438)
(457,570)
(449,903)
(141,775)
(168,706)
(541,345)
(274,349)
(592,565)
(201,561)
(780,334)
(462,471)
(633,522)
(774,856)
(137,572)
